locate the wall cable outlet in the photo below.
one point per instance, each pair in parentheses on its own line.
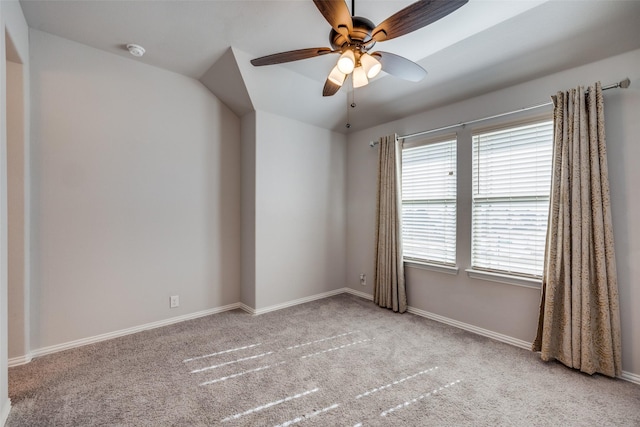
(363,279)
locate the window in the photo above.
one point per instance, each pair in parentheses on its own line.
(511,183)
(429,203)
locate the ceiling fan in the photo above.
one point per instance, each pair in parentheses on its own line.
(354,36)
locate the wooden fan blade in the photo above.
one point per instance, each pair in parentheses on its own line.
(337,15)
(399,66)
(330,88)
(292,55)
(414,17)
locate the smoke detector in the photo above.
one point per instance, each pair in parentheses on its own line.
(135,50)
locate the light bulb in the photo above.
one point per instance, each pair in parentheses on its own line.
(359,77)
(336,76)
(346,62)
(371,65)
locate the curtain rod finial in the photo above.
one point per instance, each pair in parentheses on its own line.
(373,143)
(625,83)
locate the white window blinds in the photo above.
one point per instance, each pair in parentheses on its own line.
(511,184)
(429,203)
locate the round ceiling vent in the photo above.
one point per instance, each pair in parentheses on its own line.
(135,50)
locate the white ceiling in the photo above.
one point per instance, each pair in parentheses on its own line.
(483,46)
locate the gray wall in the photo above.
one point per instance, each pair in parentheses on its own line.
(506,309)
(17,212)
(144,185)
(14,46)
(300,223)
(248,233)
(135,194)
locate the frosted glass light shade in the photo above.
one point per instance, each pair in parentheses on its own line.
(347,62)
(336,76)
(371,65)
(359,77)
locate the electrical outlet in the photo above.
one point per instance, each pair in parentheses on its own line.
(363,279)
(174,301)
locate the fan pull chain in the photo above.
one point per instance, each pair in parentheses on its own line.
(350,105)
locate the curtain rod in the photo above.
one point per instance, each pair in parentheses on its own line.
(622,84)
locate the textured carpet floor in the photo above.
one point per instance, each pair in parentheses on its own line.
(340,361)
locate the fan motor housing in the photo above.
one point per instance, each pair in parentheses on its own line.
(360,34)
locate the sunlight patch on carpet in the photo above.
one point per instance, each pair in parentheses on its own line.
(335,348)
(270,404)
(239,374)
(377,389)
(256,345)
(243,359)
(424,396)
(221,352)
(321,340)
(307,416)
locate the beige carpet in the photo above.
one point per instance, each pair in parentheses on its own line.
(340,361)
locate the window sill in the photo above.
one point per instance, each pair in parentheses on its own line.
(504,278)
(432,267)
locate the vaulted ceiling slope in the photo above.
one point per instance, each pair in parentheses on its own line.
(483,46)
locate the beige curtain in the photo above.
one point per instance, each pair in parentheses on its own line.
(389,289)
(579,322)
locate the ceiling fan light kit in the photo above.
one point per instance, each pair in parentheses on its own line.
(354,36)
(336,76)
(371,65)
(359,77)
(347,62)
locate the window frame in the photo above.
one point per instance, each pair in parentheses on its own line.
(429,263)
(497,275)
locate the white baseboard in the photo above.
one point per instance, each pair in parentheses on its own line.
(19,360)
(359,294)
(628,376)
(471,328)
(4,411)
(110,335)
(264,310)
(248,309)
(461,325)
